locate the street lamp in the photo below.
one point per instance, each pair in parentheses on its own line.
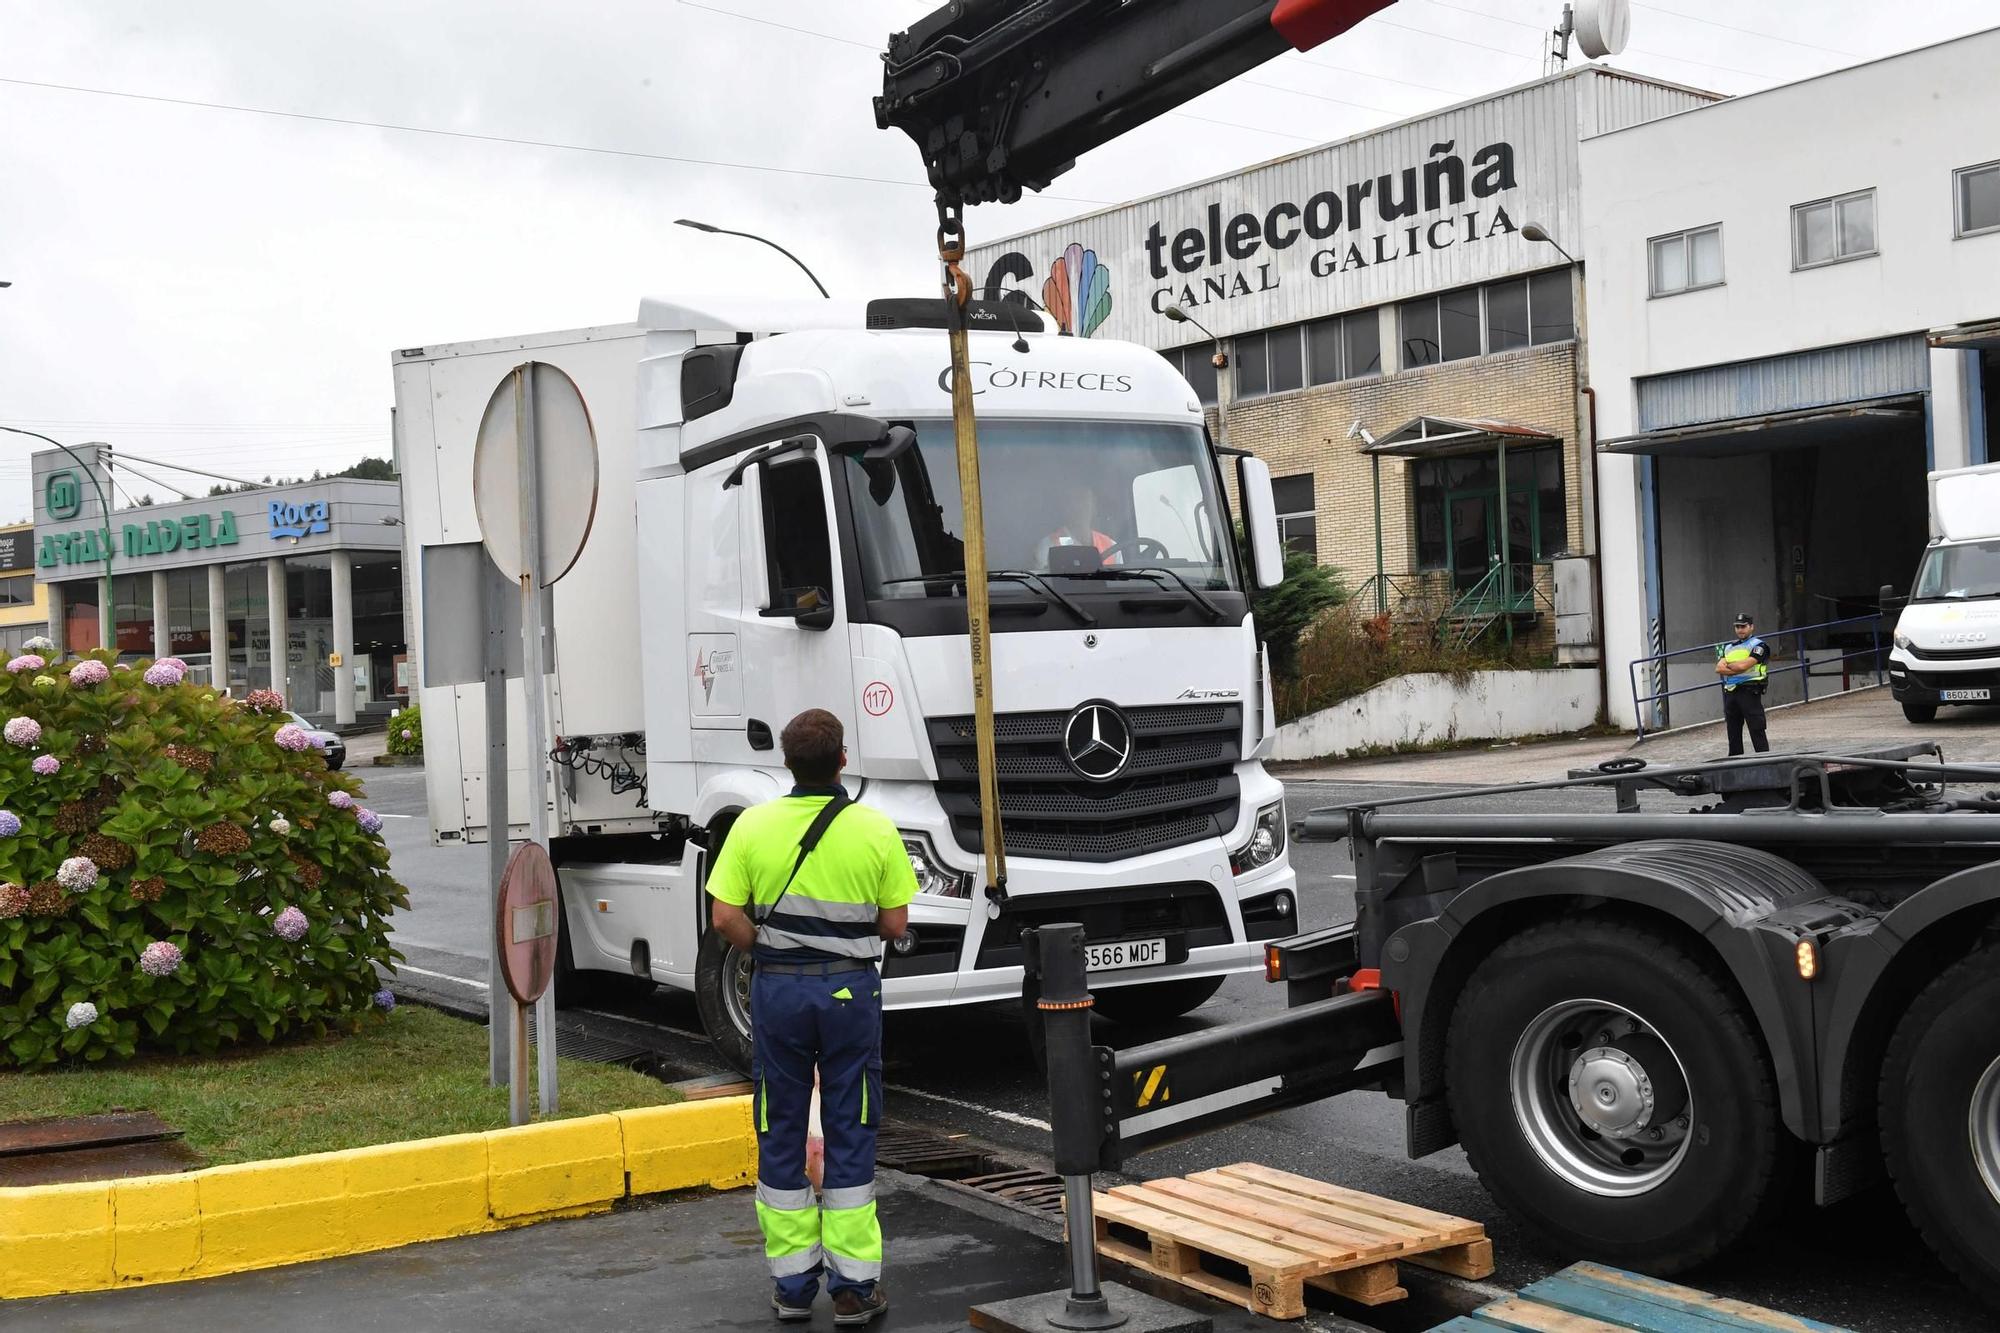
(1175,314)
(1534,231)
(752,236)
(107,610)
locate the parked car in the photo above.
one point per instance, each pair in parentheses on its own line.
(329,742)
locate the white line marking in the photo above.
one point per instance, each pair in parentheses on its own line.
(1009,1116)
(441,976)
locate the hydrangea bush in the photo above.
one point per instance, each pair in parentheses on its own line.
(406,731)
(172,877)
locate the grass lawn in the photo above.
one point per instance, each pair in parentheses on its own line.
(417,1074)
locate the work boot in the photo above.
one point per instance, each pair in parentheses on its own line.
(851,1307)
(791,1314)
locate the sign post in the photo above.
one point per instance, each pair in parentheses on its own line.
(534,487)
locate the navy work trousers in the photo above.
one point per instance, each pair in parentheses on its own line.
(800,1022)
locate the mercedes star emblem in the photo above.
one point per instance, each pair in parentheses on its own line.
(1097,740)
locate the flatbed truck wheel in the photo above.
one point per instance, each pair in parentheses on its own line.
(1155,1001)
(1612,1094)
(1940,1115)
(1920,713)
(722,995)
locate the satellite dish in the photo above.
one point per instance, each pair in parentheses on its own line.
(1603,27)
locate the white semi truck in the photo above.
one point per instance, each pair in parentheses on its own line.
(778,527)
(1946,646)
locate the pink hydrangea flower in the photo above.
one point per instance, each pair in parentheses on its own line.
(22,731)
(406,733)
(175,663)
(13,901)
(77,874)
(264,701)
(289,924)
(166,671)
(89,671)
(26,662)
(370,821)
(340,800)
(292,737)
(161,958)
(46,764)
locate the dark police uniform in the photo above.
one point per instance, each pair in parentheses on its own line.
(816,1002)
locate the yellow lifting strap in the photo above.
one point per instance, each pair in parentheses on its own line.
(958,291)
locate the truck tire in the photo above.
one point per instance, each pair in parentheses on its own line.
(722,995)
(1611,1093)
(1920,713)
(1155,1001)
(1940,1111)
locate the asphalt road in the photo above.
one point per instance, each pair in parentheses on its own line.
(1859,1265)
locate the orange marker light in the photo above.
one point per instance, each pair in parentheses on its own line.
(1274,963)
(1808,957)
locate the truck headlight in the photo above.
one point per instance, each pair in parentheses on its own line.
(934,877)
(1267,841)
(1900,639)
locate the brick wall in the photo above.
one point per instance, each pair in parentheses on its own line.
(1306,431)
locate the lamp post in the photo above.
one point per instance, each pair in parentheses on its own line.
(107,609)
(1220,361)
(752,236)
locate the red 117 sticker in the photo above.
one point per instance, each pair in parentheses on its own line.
(878,698)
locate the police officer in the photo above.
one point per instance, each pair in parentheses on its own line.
(1741,664)
(825,882)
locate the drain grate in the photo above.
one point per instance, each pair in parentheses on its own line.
(575,1041)
(1031,1189)
(920,1152)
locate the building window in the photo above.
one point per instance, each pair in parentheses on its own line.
(1479,321)
(1456,503)
(1296,524)
(1828,231)
(18,591)
(1345,347)
(1196,365)
(1271,361)
(1686,261)
(1977,190)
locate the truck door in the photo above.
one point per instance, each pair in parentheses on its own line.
(789,647)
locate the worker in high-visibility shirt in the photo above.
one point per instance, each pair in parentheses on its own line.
(824,882)
(1742,665)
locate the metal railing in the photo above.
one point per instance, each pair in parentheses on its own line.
(1803,666)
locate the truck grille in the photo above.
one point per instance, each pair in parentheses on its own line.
(1985,650)
(1179,786)
(1188,916)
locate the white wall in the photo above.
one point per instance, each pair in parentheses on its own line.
(1900,125)
(1427,708)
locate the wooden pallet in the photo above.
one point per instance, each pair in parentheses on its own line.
(1590,1298)
(1286,1232)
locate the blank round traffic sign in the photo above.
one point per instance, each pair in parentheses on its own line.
(566,471)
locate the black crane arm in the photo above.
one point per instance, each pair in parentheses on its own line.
(1004,95)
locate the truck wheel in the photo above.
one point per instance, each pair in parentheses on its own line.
(1157,1000)
(1940,1108)
(1611,1094)
(1920,713)
(722,994)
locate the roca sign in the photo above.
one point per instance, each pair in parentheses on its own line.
(299,518)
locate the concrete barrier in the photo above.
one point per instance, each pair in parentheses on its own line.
(56,1239)
(1431,709)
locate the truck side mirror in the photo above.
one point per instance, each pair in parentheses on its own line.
(1260,522)
(1886,597)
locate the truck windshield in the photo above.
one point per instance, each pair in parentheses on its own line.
(1955,573)
(1064,500)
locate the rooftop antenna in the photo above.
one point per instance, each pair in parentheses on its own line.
(1601,28)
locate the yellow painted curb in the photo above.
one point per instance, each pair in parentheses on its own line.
(229,1219)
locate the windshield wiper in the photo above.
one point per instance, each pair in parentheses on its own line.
(1151,572)
(1021,576)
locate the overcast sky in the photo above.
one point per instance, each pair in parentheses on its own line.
(223,288)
